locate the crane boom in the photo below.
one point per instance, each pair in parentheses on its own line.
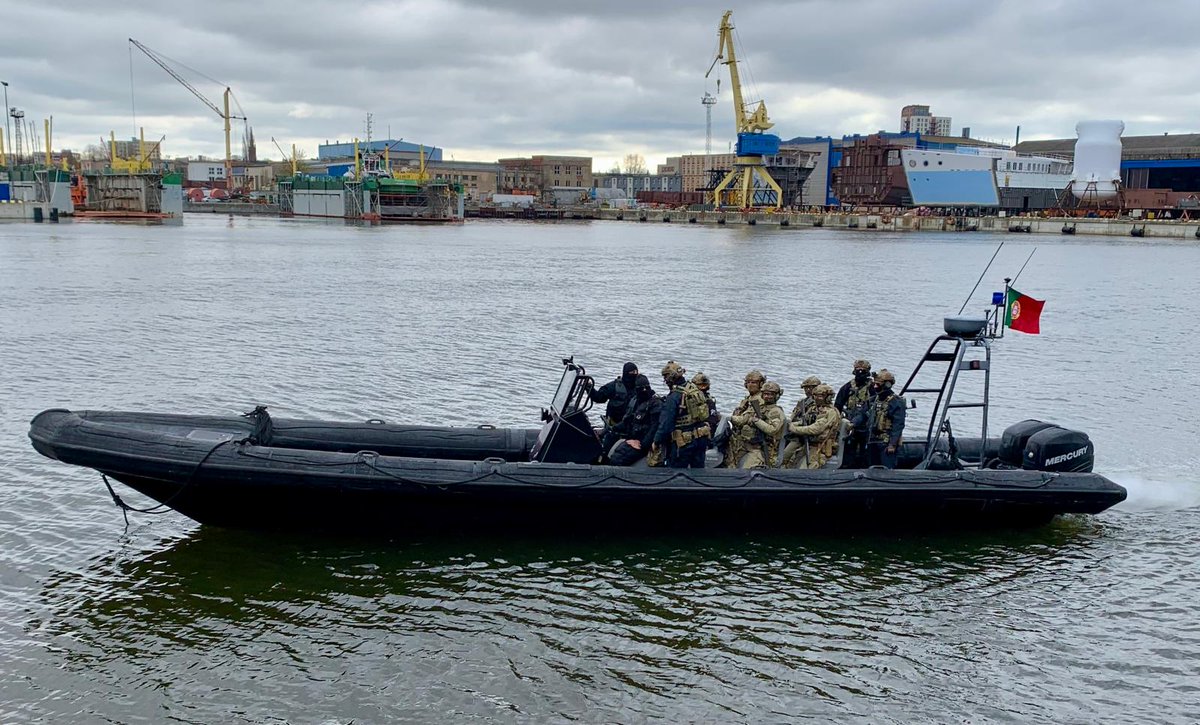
(757,121)
(224,114)
(182,81)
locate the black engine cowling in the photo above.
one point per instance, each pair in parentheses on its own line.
(1015,438)
(1059,450)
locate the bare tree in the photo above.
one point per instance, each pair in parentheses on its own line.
(635,164)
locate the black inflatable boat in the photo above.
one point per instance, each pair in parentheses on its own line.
(258,472)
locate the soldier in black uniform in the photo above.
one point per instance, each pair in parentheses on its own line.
(617,394)
(683,431)
(861,379)
(852,401)
(636,430)
(885,421)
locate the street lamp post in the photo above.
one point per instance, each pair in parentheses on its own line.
(7,125)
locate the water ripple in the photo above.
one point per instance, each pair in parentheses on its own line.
(1088,619)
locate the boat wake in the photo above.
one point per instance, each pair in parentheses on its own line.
(1146,494)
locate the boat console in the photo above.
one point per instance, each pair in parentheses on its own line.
(566,435)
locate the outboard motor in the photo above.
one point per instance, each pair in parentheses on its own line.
(1059,450)
(1014,439)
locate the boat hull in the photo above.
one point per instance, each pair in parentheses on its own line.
(206,469)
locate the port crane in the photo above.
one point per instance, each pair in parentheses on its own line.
(748,184)
(162,63)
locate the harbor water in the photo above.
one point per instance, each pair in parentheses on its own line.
(1087,619)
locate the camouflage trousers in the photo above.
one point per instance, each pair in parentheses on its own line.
(798,455)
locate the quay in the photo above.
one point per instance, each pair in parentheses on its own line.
(1119,227)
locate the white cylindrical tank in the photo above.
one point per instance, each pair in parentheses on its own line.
(1097,159)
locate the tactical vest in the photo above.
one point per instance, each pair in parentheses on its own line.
(802,414)
(637,418)
(881,422)
(693,407)
(858,397)
(691,420)
(618,402)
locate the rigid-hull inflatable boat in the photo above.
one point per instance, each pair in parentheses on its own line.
(259,472)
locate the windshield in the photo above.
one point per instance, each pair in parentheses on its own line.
(563,395)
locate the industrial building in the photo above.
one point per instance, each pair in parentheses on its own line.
(397,149)
(1168,161)
(543,174)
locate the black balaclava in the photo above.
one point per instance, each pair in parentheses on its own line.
(643,389)
(861,376)
(629,374)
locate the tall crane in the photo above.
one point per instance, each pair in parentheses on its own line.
(162,63)
(748,183)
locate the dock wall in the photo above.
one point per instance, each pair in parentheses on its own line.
(1177,229)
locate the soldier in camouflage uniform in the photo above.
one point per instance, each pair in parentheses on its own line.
(701,381)
(815,436)
(885,421)
(736,446)
(852,401)
(808,386)
(761,429)
(683,431)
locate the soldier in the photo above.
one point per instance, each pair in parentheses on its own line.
(885,420)
(618,394)
(851,402)
(683,431)
(808,386)
(636,430)
(761,428)
(861,379)
(701,381)
(815,438)
(736,447)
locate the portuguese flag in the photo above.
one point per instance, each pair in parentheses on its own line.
(1022,312)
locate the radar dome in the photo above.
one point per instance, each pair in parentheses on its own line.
(1097,159)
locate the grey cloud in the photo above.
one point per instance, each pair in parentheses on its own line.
(604,79)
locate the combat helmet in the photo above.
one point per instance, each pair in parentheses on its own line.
(672,370)
(755,375)
(823,391)
(700,380)
(772,387)
(885,377)
(861,364)
(811,381)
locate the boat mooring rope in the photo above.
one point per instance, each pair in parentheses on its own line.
(163,506)
(368,459)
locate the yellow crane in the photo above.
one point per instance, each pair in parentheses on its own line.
(748,184)
(162,63)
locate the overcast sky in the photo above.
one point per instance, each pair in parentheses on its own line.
(485,80)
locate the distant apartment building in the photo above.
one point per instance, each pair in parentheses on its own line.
(694,169)
(918,119)
(133,149)
(544,173)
